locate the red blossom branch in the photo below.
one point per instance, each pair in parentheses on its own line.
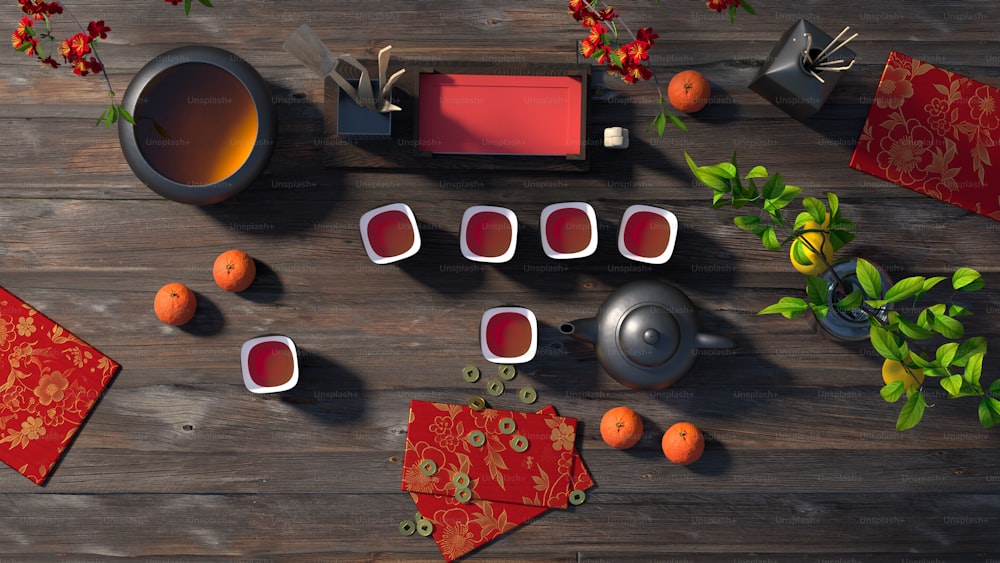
(78,51)
(627,61)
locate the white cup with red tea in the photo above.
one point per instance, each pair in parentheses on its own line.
(508,335)
(270,364)
(647,234)
(390,233)
(569,230)
(489,234)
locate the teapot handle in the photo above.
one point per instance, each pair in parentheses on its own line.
(702,340)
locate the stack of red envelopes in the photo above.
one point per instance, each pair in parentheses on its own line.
(478,474)
(49,381)
(935,132)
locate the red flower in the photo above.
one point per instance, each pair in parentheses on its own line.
(608,13)
(587,48)
(637,51)
(50,61)
(74,50)
(605,54)
(596,34)
(83,66)
(40,10)
(589,19)
(174,2)
(97,29)
(78,45)
(720,5)
(646,35)
(22,38)
(637,72)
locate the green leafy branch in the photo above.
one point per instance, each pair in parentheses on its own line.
(773,196)
(187,6)
(956,363)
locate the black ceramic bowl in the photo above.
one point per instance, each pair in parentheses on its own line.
(205,124)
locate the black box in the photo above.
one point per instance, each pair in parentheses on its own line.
(785,82)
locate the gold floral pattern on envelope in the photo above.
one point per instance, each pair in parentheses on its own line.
(935,132)
(538,476)
(460,528)
(49,382)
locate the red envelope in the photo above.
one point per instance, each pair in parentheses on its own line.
(460,528)
(935,132)
(538,476)
(49,381)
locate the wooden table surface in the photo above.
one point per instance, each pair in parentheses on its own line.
(180,462)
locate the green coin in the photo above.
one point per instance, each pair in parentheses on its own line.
(428,467)
(528,395)
(407,527)
(477,438)
(425,527)
(507,372)
(495,387)
(507,425)
(470,374)
(477,403)
(519,443)
(463,495)
(461,480)
(577,497)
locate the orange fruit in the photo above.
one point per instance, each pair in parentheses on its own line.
(895,371)
(234,270)
(175,304)
(819,241)
(621,428)
(683,443)
(689,91)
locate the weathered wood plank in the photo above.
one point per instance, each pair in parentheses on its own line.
(180,462)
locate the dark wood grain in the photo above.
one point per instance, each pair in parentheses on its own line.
(180,462)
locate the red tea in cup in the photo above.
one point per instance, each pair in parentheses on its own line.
(489,234)
(270,364)
(569,230)
(390,233)
(647,234)
(509,335)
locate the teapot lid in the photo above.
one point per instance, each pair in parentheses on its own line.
(648,335)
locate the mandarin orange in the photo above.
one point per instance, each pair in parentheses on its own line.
(683,443)
(621,427)
(689,91)
(234,270)
(175,304)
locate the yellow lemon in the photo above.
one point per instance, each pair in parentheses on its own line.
(820,241)
(893,371)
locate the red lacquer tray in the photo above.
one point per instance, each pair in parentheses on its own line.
(523,116)
(501,115)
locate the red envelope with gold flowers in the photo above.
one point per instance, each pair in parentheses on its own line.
(934,132)
(49,381)
(459,527)
(536,473)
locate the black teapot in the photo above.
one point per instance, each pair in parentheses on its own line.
(646,334)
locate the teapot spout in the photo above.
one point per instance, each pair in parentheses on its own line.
(581,329)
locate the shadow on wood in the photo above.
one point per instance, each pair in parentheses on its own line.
(208,318)
(327,391)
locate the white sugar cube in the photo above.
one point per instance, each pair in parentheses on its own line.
(616,138)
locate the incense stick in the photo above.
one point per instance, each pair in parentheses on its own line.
(822,60)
